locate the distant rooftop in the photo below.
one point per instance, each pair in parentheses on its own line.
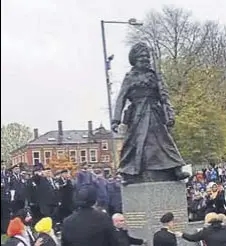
(68,137)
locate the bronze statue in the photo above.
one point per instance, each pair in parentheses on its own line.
(149,152)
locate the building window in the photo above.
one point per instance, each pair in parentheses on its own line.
(36,157)
(60,154)
(83,156)
(73,156)
(47,157)
(105,158)
(104,145)
(93,155)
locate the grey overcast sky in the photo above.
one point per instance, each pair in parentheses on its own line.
(52,61)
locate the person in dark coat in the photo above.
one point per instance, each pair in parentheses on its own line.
(102,191)
(123,237)
(218,199)
(48,195)
(17,189)
(215,200)
(87,226)
(5,198)
(213,235)
(84,177)
(65,194)
(115,196)
(32,193)
(165,237)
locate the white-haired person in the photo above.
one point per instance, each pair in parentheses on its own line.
(213,234)
(122,235)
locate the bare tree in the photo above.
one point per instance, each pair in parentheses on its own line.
(176,36)
(182,45)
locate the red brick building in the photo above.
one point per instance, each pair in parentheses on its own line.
(79,146)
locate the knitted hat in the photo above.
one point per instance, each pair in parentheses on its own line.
(211,217)
(16,227)
(222,218)
(44,225)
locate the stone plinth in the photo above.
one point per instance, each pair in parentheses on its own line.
(145,203)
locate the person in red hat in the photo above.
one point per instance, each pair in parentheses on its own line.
(17,234)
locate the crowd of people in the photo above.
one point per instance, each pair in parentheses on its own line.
(91,227)
(206,192)
(35,207)
(52,195)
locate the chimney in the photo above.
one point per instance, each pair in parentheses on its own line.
(90,129)
(35,133)
(60,128)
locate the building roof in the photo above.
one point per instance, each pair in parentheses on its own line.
(70,137)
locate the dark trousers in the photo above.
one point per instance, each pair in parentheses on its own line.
(64,212)
(50,210)
(17,205)
(36,214)
(5,215)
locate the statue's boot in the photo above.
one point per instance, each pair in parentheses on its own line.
(180,175)
(128,179)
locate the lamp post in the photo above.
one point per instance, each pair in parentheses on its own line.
(107,62)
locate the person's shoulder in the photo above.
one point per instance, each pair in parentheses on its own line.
(164,232)
(159,233)
(100,213)
(70,218)
(101,216)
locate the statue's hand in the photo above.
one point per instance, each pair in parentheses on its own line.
(114,126)
(170,123)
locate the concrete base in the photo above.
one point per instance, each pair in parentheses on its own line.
(145,203)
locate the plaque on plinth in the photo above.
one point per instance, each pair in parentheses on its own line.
(145,203)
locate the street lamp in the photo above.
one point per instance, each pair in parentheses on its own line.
(107,67)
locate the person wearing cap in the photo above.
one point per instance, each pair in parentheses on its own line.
(214,234)
(87,226)
(123,237)
(84,177)
(48,195)
(5,198)
(17,189)
(65,194)
(32,192)
(115,195)
(165,237)
(102,191)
